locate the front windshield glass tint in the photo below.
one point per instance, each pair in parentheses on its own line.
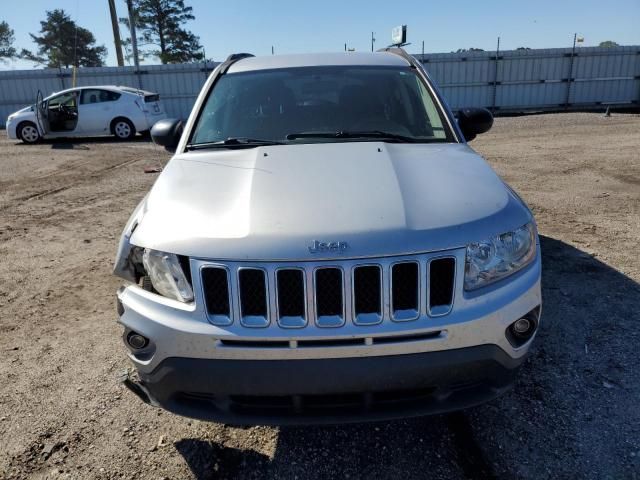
(271,104)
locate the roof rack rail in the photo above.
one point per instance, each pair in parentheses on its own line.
(238,56)
(401,52)
(233,58)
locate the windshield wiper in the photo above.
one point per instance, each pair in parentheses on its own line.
(357,134)
(232,142)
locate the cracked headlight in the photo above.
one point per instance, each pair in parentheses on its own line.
(497,257)
(167,275)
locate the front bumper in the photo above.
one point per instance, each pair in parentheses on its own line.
(11,129)
(313,375)
(277,392)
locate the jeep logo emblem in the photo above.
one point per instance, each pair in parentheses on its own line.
(336,247)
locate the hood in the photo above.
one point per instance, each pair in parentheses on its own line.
(378,199)
(22,111)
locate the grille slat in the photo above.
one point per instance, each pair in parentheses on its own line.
(441,278)
(329,296)
(405,291)
(254,310)
(401,289)
(216,294)
(291,298)
(367,295)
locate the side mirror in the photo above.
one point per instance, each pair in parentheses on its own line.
(167,133)
(474,121)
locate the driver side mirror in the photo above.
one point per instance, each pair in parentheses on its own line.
(474,121)
(167,133)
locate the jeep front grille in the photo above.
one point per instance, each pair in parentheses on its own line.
(257,294)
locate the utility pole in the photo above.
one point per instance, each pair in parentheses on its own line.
(134,39)
(116,32)
(570,79)
(373,40)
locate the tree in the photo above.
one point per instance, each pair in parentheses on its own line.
(62,43)
(160,25)
(6,41)
(608,44)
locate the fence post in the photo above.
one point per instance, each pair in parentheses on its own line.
(61,77)
(495,79)
(570,79)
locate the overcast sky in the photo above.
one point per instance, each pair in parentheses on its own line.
(326,25)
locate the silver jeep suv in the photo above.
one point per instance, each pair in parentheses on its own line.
(325,247)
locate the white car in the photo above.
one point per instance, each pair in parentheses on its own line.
(87,111)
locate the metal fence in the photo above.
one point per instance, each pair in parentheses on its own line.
(545,79)
(514,80)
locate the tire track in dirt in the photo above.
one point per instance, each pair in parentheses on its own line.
(94,175)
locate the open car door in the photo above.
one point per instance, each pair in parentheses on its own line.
(42,114)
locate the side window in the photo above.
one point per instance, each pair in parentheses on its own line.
(67,99)
(91,95)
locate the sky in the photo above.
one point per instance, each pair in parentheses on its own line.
(291,26)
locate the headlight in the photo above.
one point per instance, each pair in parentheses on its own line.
(499,256)
(166,274)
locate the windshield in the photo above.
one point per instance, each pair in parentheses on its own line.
(338,104)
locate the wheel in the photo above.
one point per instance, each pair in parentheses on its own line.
(123,129)
(28,132)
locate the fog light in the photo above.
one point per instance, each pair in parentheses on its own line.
(521,331)
(137,341)
(522,327)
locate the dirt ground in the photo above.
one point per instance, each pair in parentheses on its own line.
(574,412)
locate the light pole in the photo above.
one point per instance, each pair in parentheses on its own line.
(373,40)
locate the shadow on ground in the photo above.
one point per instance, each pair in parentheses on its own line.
(577,389)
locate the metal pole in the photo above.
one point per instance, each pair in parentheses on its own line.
(570,79)
(422,51)
(272,50)
(134,39)
(345,47)
(495,78)
(116,33)
(373,40)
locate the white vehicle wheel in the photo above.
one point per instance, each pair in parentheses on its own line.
(28,133)
(123,129)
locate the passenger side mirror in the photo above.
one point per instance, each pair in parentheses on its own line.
(474,121)
(167,133)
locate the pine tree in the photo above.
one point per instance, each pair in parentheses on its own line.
(6,41)
(159,23)
(62,43)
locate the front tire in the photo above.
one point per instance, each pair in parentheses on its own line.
(28,133)
(123,129)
